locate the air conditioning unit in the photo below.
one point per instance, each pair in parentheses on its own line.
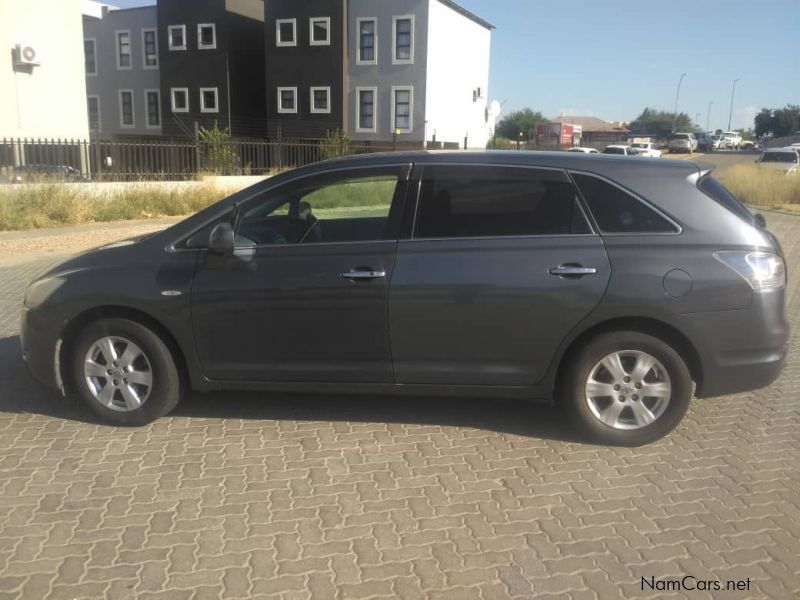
(25,55)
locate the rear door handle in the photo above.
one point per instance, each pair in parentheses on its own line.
(572,271)
(363,275)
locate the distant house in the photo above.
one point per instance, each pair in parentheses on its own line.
(596,130)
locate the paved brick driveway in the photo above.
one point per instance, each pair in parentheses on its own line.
(247,496)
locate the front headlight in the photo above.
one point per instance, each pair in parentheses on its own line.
(762,270)
(39,291)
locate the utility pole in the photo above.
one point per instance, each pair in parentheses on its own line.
(677,93)
(708,118)
(730,115)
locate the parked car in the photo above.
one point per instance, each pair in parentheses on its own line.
(731,140)
(682,142)
(748,145)
(620,149)
(717,143)
(38,172)
(782,159)
(648,149)
(498,275)
(584,150)
(705,141)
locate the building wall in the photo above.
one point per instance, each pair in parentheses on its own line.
(304,66)
(109,80)
(384,74)
(458,64)
(48,100)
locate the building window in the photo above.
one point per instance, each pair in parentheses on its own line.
(206,36)
(90,56)
(321,100)
(365,121)
(152,103)
(209,97)
(93,106)
(126,109)
(123,49)
(320,31)
(177,37)
(403,40)
(402,108)
(367,48)
(180,100)
(149,49)
(287,99)
(286,32)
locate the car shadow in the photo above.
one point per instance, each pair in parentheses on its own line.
(20,393)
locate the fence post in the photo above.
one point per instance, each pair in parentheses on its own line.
(280,147)
(197,146)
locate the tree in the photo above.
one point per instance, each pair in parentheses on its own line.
(777,121)
(524,121)
(660,123)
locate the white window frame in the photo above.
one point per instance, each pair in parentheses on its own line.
(172,91)
(327,40)
(403,88)
(317,111)
(144,48)
(130,49)
(200,45)
(133,109)
(147,123)
(374,91)
(94,45)
(402,61)
(99,117)
(280,43)
(374,61)
(203,107)
(169,36)
(285,111)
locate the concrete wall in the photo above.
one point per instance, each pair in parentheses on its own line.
(48,100)
(458,64)
(109,79)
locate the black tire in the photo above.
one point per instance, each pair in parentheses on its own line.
(573,396)
(165,391)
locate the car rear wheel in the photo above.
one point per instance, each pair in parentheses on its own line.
(124,372)
(626,388)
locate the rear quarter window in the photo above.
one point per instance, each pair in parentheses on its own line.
(718,192)
(617,211)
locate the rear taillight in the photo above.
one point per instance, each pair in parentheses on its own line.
(762,270)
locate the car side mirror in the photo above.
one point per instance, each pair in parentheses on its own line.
(221,239)
(760,221)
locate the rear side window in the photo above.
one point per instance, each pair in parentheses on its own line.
(477,201)
(617,211)
(712,187)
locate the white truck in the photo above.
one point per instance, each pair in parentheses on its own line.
(730,140)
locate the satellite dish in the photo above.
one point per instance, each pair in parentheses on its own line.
(495,109)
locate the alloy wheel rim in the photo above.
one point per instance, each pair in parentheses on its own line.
(118,373)
(628,389)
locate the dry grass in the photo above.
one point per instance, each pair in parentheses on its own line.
(761,186)
(54,204)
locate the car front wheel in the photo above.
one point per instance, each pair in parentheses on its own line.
(124,372)
(627,388)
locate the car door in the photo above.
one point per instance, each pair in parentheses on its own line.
(501,265)
(304,295)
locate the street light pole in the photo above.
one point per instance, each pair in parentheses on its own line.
(677,93)
(697,120)
(708,119)
(730,115)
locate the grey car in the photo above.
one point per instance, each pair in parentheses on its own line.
(613,287)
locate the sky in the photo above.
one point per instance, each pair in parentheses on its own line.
(612,58)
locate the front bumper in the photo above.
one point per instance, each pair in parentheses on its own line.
(41,348)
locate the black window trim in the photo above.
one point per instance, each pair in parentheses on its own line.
(419,174)
(666,216)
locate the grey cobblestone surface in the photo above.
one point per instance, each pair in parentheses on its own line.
(246,496)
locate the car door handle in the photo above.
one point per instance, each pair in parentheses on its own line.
(572,271)
(363,275)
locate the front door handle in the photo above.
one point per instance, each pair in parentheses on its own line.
(572,271)
(358,275)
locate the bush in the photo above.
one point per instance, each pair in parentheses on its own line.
(761,186)
(217,154)
(501,143)
(336,144)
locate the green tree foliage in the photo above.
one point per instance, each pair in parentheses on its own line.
(216,151)
(336,144)
(524,121)
(778,121)
(661,123)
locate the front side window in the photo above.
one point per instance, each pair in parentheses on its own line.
(366,109)
(403,34)
(206,36)
(320,33)
(93,107)
(179,98)
(209,100)
(153,106)
(126,108)
(150,48)
(351,207)
(286,32)
(287,99)
(617,211)
(176,34)
(488,201)
(367,53)
(320,100)
(402,101)
(90,56)
(123,49)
